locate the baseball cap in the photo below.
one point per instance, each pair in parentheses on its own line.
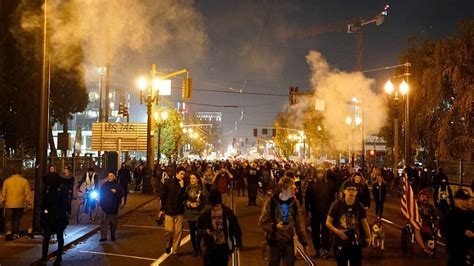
(350,185)
(462,194)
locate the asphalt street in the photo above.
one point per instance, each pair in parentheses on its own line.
(141,242)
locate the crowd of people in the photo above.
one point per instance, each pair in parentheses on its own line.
(332,201)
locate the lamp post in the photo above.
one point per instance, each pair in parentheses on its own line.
(403,90)
(353,122)
(160,118)
(149,95)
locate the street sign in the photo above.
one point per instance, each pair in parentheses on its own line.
(118,136)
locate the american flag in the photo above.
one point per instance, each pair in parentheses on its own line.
(409,206)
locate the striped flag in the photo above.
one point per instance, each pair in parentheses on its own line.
(409,206)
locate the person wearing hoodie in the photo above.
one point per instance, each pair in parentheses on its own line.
(280,220)
(110,197)
(15,197)
(53,217)
(319,197)
(67,179)
(379,190)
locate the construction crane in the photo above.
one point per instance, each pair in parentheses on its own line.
(350,26)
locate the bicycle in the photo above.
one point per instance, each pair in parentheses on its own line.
(88,208)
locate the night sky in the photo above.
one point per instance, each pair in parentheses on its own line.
(249,49)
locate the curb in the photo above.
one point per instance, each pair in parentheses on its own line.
(89,234)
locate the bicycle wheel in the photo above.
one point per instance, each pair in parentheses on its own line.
(81,212)
(93,211)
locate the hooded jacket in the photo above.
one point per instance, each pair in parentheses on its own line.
(109,201)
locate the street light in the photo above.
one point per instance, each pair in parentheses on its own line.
(403,90)
(160,118)
(352,123)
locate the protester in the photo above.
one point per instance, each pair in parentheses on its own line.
(280,219)
(91,180)
(457,228)
(124,179)
(344,219)
(67,179)
(319,197)
(16,196)
(110,195)
(379,190)
(220,230)
(208,177)
(138,175)
(172,205)
(54,218)
(222,181)
(253,175)
(195,201)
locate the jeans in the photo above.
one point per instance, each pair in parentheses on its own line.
(282,251)
(379,208)
(218,255)
(12,220)
(353,254)
(46,238)
(318,229)
(108,219)
(173,231)
(195,238)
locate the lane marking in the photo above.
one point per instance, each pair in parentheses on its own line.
(116,255)
(165,256)
(148,227)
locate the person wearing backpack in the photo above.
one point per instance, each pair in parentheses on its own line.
(345,218)
(280,220)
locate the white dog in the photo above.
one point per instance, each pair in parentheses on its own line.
(378,235)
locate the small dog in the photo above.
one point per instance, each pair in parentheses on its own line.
(378,235)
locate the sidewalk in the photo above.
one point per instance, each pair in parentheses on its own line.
(26,251)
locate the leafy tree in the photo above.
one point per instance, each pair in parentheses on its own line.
(171,134)
(442,95)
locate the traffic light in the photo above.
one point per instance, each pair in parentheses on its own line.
(187,92)
(121,108)
(292,95)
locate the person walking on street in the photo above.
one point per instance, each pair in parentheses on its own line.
(458,230)
(16,198)
(138,175)
(344,219)
(172,205)
(195,201)
(110,197)
(124,179)
(443,198)
(207,177)
(67,179)
(319,197)
(222,181)
(379,190)
(280,220)
(220,230)
(253,177)
(53,217)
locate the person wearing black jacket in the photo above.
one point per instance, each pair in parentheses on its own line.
(319,196)
(363,194)
(457,228)
(220,231)
(253,175)
(172,205)
(379,190)
(67,179)
(110,195)
(53,217)
(124,179)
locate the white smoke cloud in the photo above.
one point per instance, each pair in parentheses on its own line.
(337,89)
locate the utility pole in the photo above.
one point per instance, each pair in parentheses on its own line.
(43,128)
(407,119)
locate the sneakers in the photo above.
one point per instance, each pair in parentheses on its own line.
(168,250)
(323,253)
(102,239)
